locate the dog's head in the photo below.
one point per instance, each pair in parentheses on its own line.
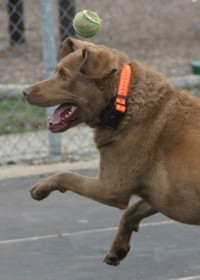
(84,81)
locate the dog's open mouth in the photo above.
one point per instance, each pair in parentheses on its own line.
(63,117)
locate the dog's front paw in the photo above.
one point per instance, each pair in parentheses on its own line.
(39,191)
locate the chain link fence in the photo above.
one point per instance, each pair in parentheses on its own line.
(162,34)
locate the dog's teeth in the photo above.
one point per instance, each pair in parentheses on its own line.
(71,110)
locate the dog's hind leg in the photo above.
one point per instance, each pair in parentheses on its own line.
(129,223)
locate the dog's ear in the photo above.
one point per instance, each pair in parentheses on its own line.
(66,47)
(70,45)
(98,62)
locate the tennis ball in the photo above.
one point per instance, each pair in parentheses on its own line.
(87,23)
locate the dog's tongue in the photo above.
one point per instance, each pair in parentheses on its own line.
(60,113)
(61,118)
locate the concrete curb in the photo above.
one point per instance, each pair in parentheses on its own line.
(16,171)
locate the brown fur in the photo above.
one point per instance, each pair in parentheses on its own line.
(154,153)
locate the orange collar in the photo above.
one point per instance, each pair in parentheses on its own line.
(122,93)
(113,114)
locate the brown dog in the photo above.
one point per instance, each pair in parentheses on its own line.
(149,141)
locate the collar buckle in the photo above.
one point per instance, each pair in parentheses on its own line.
(111,117)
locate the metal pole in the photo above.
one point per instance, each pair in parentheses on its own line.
(50,60)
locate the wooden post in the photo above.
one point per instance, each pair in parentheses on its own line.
(16,21)
(66,15)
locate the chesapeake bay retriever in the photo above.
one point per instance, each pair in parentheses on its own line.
(150,149)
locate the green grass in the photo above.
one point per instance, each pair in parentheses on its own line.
(18,116)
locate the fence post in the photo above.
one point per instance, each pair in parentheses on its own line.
(50,60)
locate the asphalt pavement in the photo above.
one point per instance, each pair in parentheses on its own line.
(66,237)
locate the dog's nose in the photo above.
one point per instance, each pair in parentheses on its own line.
(26,91)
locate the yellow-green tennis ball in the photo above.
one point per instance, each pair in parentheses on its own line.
(87,23)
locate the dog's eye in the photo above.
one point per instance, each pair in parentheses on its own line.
(63,75)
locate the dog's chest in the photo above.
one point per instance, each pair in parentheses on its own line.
(125,158)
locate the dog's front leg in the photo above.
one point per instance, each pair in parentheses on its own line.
(93,188)
(129,223)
